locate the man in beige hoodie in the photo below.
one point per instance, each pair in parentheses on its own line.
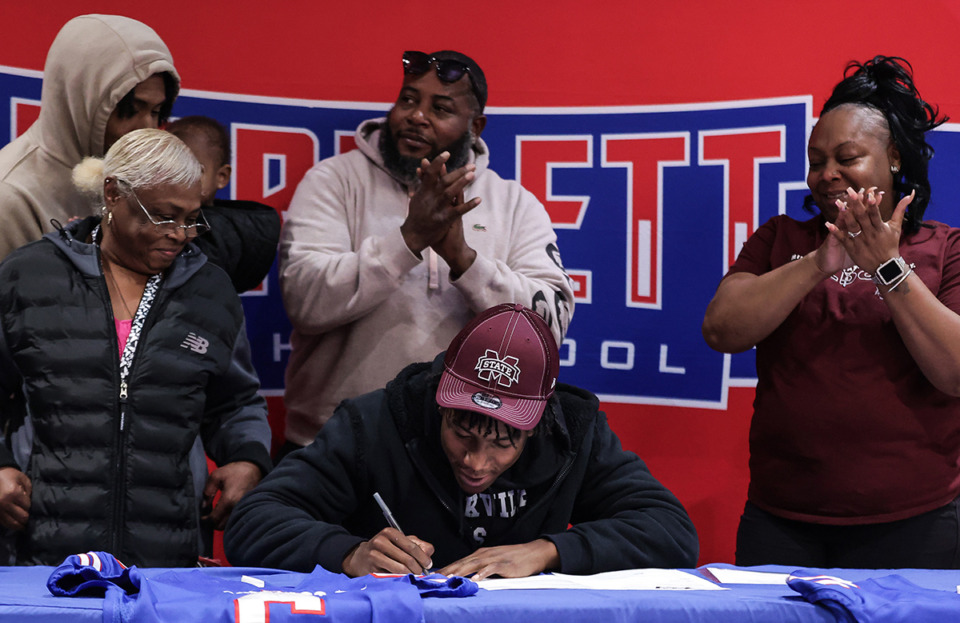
(105,75)
(387,251)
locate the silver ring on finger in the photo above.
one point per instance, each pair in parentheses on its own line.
(854,234)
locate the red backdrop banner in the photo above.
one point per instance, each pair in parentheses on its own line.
(629,69)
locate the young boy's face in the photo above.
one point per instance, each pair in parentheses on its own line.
(149,97)
(215,175)
(477,457)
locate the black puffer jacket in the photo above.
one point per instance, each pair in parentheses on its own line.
(318,502)
(110,473)
(242,240)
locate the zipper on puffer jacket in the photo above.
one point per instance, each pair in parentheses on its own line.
(119,461)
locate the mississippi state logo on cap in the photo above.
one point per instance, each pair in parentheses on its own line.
(504,371)
(504,364)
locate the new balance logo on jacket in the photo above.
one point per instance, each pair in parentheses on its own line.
(195,343)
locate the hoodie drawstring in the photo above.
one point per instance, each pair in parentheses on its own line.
(434,282)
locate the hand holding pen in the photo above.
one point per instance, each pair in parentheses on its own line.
(389,551)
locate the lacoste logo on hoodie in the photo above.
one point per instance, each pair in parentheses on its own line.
(195,343)
(478,227)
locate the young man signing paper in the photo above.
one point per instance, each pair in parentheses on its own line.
(491,467)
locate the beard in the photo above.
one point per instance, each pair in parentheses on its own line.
(405,168)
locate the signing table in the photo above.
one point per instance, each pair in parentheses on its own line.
(24,597)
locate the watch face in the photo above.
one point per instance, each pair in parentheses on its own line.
(889,270)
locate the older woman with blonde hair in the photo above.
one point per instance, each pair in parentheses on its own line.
(120,345)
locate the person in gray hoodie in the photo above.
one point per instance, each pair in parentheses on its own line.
(105,75)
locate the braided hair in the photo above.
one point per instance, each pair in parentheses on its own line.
(885,84)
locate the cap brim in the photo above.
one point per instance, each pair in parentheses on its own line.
(520,413)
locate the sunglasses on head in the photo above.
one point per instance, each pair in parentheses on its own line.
(448,70)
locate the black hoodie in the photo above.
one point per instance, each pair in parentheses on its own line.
(318,502)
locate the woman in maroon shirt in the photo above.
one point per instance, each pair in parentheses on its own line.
(855,315)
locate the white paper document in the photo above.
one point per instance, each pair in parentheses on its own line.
(627,580)
(739,576)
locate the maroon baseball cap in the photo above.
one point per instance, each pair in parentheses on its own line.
(504,364)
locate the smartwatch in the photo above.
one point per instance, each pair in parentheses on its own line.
(890,271)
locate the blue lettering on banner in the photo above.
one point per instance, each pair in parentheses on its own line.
(650,203)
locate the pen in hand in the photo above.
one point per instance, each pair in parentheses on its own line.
(386,512)
(389,516)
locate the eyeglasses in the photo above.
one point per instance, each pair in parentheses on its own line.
(170,227)
(448,70)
